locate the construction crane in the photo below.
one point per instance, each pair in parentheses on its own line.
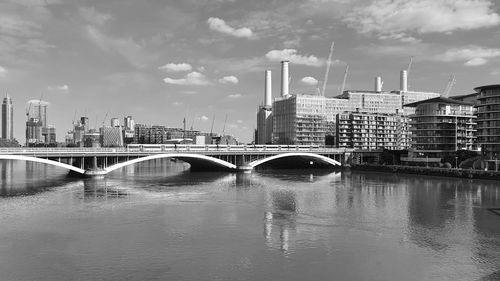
(212,128)
(449,86)
(328,64)
(344,80)
(104,120)
(224,128)
(408,70)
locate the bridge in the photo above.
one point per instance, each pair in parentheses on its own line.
(100,161)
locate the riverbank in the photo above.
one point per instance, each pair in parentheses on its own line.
(430,171)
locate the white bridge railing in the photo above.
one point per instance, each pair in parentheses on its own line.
(158,148)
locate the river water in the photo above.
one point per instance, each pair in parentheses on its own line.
(158,221)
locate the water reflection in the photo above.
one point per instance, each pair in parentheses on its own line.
(101,189)
(280,223)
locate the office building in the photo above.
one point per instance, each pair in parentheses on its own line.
(158,134)
(441,126)
(49,136)
(488,122)
(7,119)
(33,132)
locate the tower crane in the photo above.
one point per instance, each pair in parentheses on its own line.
(449,86)
(344,80)
(328,64)
(224,128)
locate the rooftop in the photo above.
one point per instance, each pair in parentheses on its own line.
(487,87)
(438,100)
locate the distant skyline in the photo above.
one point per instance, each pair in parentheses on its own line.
(161,61)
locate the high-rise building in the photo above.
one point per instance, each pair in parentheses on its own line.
(33,132)
(488,123)
(7,119)
(128,123)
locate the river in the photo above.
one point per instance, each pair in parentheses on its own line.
(158,221)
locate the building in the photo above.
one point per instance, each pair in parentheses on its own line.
(33,132)
(92,138)
(115,122)
(488,122)
(311,119)
(159,134)
(441,126)
(111,136)
(49,136)
(265,115)
(371,131)
(7,119)
(128,130)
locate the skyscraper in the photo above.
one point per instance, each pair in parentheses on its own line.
(7,119)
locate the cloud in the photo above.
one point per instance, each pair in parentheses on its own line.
(176,67)
(239,121)
(63,88)
(472,55)
(204,118)
(176,103)
(92,16)
(401,19)
(309,81)
(229,80)
(192,78)
(234,96)
(37,102)
(3,71)
(221,26)
(292,56)
(132,51)
(190,92)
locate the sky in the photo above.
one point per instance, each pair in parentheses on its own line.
(163,61)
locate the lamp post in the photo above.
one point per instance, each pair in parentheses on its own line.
(456,162)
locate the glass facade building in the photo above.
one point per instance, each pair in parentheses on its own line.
(488,121)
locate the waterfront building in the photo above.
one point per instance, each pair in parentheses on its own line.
(441,126)
(92,138)
(307,119)
(371,131)
(7,119)
(470,98)
(159,134)
(38,109)
(488,122)
(111,136)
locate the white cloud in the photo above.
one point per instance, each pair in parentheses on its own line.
(176,67)
(132,51)
(309,81)
(228,80)
(200,68)
(93,16)
(401,19)
(220,25)
(192,78)
(204,118)
(234,96)
(176,103)
(472,55)
(63,88)
(239,121)
(292,56)
(3,71)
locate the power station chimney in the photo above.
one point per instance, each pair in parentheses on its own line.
(284,78)
(268,92)
(378,84)
(404,81)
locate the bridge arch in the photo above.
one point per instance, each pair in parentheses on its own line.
(42,160)
(187,157)
(315,156)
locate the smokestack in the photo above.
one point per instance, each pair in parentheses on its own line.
(404,81)
(284,78)
(378,84)
(268,92)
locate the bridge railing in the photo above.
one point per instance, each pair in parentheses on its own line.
(157,148)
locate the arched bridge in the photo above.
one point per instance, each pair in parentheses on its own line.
(100,161)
